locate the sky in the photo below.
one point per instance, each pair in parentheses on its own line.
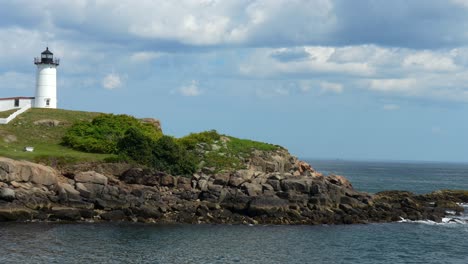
(327,79)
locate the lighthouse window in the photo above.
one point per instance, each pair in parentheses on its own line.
(16,103)
(47,102)
(49,56)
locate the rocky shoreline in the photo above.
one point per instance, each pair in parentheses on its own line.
(275,188)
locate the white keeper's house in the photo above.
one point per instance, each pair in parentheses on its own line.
(46,88)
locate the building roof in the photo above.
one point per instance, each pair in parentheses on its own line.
(13,98)
(47,51)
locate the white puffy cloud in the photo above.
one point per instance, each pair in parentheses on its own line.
(434,74)
(193,22)
(190,90)
(404,85)
(251,23)
(112,81)
(306,60)
(429,61)
(290,40)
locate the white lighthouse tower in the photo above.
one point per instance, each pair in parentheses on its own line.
(46,80)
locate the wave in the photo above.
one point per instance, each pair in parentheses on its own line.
(445,221)
(451,218)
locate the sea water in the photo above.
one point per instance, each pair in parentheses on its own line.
(403,242)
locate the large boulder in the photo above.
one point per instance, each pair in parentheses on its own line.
(252,189)
(241,176)
(142,176)
(91,177)
(266,206)
(168,180)
(154,122)
(304,168)
(222,178)
(339,180)
(271,161)
(16,214)
(81,188)
(65,213)
(115,215)
(69,191)
(7,194)
(301,185)
(89,190)
(23,171)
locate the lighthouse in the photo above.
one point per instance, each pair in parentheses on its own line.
(46,80)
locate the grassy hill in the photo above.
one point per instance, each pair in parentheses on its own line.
(43,129)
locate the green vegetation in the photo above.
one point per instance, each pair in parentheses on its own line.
(5,114)
(163,154)
(245,146)
(103,132)
(222,152)
(43,129)
(168,155)
(62,137)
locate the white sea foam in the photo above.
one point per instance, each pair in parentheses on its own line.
(450,212)
(451,218)
(445,222)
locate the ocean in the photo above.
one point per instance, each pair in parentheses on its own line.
(404,242)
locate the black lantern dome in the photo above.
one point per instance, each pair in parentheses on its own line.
(47,57)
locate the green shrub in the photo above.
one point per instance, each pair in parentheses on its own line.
(136,145)
(239,146)
(164,154)
(103,132)
(170,156)
(220,151)
(222,161)
(190,142)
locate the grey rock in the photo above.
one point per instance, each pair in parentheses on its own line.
(236,181)
(69,190)
(91,177)
(168,180)
(65,213)
(17,214)
(267,206)
(116,215)
(299,185)
(222,178)
(81,188)
(7,194)
(276,184)
(252,189)
(203,184)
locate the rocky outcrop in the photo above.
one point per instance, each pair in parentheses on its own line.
(24,171)
(153,122)
(276,189)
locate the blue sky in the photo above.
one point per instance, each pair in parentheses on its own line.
(364,79)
